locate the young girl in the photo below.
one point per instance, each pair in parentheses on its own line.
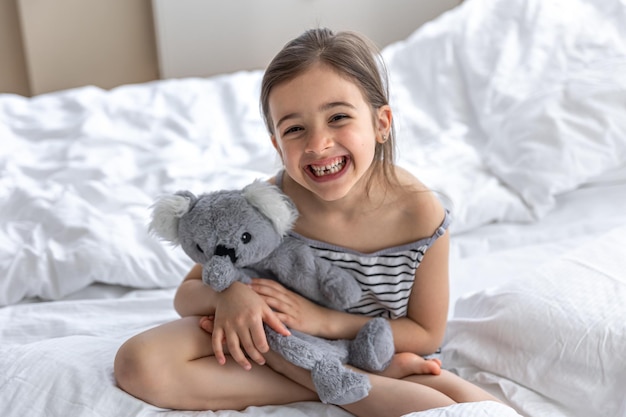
(325,102)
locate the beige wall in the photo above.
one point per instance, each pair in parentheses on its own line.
(191,33)
(57,44)
(13,77)
(50,45)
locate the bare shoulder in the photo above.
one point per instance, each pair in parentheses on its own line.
(420,209)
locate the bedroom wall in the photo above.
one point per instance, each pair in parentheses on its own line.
(13,77)
(70,43)
(58,44)
(206,37)
(52,45)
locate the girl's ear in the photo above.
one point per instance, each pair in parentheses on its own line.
(384,119)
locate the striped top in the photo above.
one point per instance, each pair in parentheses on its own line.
(386,276)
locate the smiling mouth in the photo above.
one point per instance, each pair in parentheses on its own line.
(328,169)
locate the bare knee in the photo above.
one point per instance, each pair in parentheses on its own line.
(137,369)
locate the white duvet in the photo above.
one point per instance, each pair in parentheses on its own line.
(508,108)
(79,168)
(59,360)
(551,342)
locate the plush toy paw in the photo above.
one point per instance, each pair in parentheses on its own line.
(219,273)
(341,288)
(336,384)
(297,348)
(373,348)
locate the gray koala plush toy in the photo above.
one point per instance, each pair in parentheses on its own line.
(238,234)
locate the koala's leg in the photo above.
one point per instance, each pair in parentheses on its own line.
(296,349)
(373,347)
(336,384)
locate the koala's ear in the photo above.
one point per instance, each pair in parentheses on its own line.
(166,214)
(273,204)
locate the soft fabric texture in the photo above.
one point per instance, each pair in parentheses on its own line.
(57,360)
(557,333)
(79,168)
(477,409)
(468,91)
(236,234)
(524,97)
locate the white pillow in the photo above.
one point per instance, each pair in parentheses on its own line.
(563,136)
(538,88)
(553,93)
(557,334)
(80,169)
(59,238)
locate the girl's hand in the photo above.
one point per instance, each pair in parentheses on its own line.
(238,324)
(294,310)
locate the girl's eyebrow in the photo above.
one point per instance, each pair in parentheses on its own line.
(286,117)
(323,107)
(333,104)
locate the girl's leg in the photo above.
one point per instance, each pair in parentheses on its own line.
(172,366)
(388,396)
(414,368)
(455,387)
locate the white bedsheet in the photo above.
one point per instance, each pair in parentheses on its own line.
(552,340)
(57,360)
(52,352)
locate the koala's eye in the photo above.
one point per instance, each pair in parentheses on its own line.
(199,248)
(246,237)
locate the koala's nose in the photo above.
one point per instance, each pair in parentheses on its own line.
(222,250)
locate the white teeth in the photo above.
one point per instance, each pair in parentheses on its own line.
(321,170)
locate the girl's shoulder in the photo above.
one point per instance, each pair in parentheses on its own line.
(419,208)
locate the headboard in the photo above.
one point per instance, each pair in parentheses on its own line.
(208,37)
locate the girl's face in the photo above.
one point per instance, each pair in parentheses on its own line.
(325,132)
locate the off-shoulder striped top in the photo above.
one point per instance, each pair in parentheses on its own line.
(386,276)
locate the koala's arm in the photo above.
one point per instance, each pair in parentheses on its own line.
(297,267)
(219,273)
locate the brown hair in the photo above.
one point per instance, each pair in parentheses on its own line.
(350,55)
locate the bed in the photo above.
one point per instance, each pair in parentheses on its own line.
(514,111)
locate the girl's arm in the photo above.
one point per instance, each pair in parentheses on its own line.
(239,314)
(299,313)
(193,298)
(420,332)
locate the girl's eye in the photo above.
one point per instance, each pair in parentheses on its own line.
(246,237)
(338,117)
(292,129)
(199,248)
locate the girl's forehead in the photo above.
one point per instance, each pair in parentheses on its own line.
(317,83)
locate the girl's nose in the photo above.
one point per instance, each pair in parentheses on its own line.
(319,141)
